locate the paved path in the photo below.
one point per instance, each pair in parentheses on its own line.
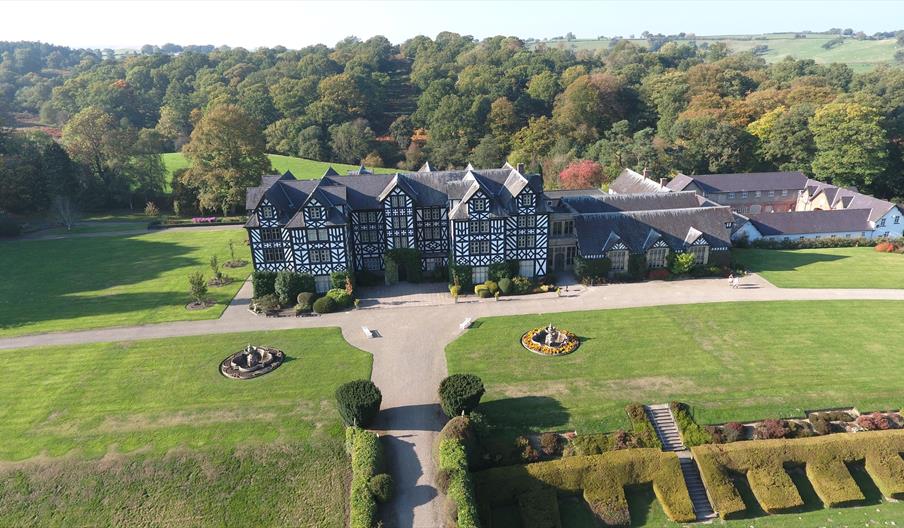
(409,361)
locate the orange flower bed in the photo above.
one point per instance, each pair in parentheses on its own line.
(572,344)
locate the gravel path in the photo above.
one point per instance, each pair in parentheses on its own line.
(409,361)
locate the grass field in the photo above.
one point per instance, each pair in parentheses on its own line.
(148,433)
(861,55)
(303,169)
(730,361)
(825,268)
(83,283)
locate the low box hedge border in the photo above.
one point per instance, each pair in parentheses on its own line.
(367,461)
(825,459)
(600,478)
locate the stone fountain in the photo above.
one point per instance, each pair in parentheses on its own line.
(550,341)
(251,362)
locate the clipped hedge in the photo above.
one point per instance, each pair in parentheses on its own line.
(824,458)
(367,461)
(325,305)
(262,283)
(460,394)
(601,479)
(692,434)
(591,270)
(342,298)
(359,402)
(453,461)
(641,426)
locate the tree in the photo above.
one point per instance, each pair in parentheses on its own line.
(352,141)
(197,287)
(312,144)
(487,153)
(785,138)
(358,401)
(226,152)
(94,140)
(582,174)
(401,131)
(706,144)
(460,394)
(543,87)
(502,121)
(534,141)
(850,144)
(590,105)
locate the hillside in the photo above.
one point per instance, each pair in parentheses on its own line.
(303,169)
(861,55)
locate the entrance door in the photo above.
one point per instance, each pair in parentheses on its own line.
(559,264)
(403,273)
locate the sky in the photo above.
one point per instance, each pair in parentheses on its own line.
(294,24)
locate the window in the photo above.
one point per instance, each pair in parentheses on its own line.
(272,254)
(432,214)
(372,263)
(318,235)
(479,247)
(729,225)
(570,252)
(882,223)
(315,213)
(568,228)
(478,205)
(557,229)
(369,217)
(848,235)
(757,194)
(731,196)
(701,254)
(744,194)
(479,226)
(657,257)
(399,222)
(526,241)
(322,283)
(771,194)
(526,268)
(479,274)
(526,200)
(786,238)
(619,260)
(399,242)
(433,233)
(397,201)
(268,212)
(368,236)
(270,234)
(897,219)
(527,221)
(318,256)
(784,192)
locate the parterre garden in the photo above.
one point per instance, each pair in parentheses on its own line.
(731,361)
(149,433)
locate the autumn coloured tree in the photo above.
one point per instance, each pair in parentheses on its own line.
(582,174)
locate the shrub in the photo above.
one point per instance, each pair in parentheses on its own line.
(454,290)
(197,286)
(885,247)
(483,292)
(460,394)
(359,402)
(539,508)
(505,286)
(522,285)
(769,429)
(289,284)
(339,279)
(682,263)
(502,270)
(461,275)
(591,270)
(325,305)
(641,426)
(659,274)
(873,422)
(342,298)
(267,303)
(550,444)
(814,243)
(9,227)
(381,487)
(732,432)
(364,448)
(151,210)
(262,283)
(637,266)
(691,432)
(305,301)
(492,286)
(460,491)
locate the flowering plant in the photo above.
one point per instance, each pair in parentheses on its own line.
(571,343)
(203,219)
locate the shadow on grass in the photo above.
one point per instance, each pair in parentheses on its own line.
(540,413)
(865,482)
(642,504)
(808,495)
(759,260)
(753,508)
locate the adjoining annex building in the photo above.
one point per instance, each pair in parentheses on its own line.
(472,217)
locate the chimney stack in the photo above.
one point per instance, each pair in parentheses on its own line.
(520,168)
(663,181)
(644,172)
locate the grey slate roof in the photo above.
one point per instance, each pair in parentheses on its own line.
(741,182)
(810,222)
(677,227)
(630,182)
(609,203)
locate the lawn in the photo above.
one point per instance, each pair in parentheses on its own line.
(730,361)
(78,283)
(149,433)
(857,267)
(303,169)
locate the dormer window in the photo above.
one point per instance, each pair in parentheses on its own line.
(526,200)
(479,205)
(315,213)
(268,212)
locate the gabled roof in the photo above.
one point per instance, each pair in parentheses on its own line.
(629,182)
(608,203)
(810,222)
(330,171)
(741,182)
(425,167)
(844,198)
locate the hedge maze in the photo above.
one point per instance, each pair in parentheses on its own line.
(600,479)
(826,461)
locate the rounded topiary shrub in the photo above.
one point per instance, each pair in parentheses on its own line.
(342,298)
(359,402)
(325,305)
(381,487)
(460,394)
(305,301)
(505,286)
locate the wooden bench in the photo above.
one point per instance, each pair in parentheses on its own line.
(465,324)
(367,331)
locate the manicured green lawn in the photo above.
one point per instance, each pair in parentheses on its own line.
(149,433)
(730,361)
(303,169)
(82,283)
(858,267)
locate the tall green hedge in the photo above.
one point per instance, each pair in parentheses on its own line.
(358,402)
(262,283)
(453,460)
(460,393)
(288,284)
(591,270)
(367,462)
(461,273)
(637,266)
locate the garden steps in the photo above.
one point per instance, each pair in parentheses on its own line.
(660,415)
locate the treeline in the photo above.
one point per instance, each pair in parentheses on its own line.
(453,99)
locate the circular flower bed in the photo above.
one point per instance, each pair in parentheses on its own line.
(534,340)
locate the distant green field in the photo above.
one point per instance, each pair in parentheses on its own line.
(856,267)
(303,169)
(859,54)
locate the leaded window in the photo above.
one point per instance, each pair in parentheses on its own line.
(397,201)
(318,256)
(318,235)
(618,259)
(527,221)
(526,200)
(657,257)
(479,226)
(272,254)
(479,247)
(526,241)
(270,234)
(701,254)
(268,212)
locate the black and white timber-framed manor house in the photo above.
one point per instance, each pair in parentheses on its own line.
(472,217)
